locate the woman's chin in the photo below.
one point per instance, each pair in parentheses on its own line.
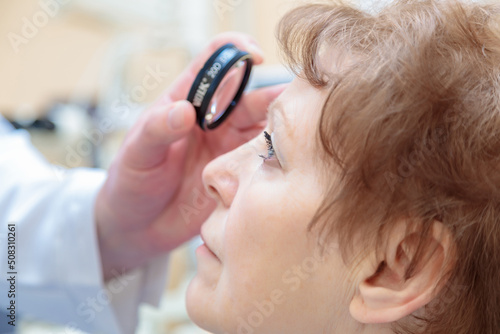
(199,307)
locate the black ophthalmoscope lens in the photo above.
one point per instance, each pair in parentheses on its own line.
(219,85)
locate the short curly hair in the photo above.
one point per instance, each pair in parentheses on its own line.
(415,133)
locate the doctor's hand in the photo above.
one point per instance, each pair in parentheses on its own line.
(153,199)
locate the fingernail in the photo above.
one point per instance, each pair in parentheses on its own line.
(256,50)
(176,117)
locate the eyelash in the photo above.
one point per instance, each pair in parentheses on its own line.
(270,148)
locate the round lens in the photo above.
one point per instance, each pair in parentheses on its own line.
(226,91)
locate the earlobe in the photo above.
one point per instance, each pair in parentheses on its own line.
(386,294)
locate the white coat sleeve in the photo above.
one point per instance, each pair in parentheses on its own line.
(57,270)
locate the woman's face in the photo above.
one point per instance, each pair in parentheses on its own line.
(260,270)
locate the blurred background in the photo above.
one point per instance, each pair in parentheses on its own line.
(72,74)
(65,63)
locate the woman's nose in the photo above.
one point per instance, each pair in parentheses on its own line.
(220,178)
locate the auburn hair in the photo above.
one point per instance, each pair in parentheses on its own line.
(412,122)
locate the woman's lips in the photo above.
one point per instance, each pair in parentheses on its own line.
(205,249)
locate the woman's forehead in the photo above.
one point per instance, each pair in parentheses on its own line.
(294,118)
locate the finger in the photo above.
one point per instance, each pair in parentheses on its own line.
(180,88)
(149,141)
(252,107)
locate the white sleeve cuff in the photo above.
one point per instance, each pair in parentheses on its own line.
(143,285)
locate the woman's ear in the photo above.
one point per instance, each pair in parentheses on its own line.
(385,294)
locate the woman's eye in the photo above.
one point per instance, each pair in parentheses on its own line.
(270,147)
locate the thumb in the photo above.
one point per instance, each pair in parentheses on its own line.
(151,137)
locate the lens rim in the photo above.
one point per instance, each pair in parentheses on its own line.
(206,76)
